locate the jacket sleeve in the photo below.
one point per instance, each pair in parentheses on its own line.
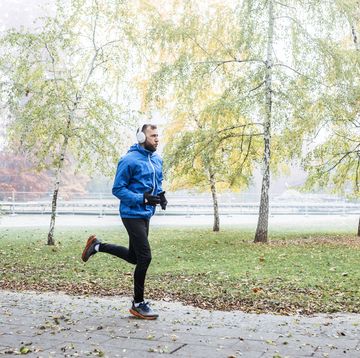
(160,178)
(121,183)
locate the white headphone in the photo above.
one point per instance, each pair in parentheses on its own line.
(140,135)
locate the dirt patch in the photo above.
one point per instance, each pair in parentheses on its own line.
(351,241)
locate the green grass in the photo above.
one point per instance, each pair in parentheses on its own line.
(294,273)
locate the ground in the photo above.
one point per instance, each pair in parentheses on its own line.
(58,325)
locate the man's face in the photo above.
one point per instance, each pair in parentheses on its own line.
(152,139)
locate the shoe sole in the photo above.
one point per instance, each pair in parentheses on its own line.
(90,241)
(139,315)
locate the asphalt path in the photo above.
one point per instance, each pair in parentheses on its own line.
(58,325)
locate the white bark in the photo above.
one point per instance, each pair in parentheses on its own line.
(357,48)
(353,28)
(51,240)
(263,220)
(216,226)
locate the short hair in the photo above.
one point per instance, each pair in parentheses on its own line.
(146,126)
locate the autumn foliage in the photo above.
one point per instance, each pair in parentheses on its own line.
(18,174)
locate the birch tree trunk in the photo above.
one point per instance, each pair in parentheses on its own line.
(216,226)
(50,239)
(261,234)
(353,29)
(357,48)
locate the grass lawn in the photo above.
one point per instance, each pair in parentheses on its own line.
(296,272)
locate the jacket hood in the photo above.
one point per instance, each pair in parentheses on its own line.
(138,148)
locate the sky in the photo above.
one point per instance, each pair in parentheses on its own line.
(17,13)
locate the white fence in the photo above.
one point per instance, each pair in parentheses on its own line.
(179,204)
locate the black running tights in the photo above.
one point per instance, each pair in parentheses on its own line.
(138,253)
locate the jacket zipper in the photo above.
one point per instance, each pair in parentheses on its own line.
(152,166)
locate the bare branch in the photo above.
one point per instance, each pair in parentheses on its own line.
(354,122)
(257,87)
(290,68)
(54,71)
(290,18)
(301,74)
(355,40)
(344,156)
(222,62)
(322,126)
(205,143)
(285,5)
(240,135)
(200,47)
(345,137)
(226,48)
(95,25)
(302,28)
(109,43)
(239,126)
(246,155)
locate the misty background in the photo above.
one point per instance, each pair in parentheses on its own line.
(18,13)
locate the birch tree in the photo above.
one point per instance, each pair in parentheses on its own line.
(203,151)
(60,87)
(245,50)
(261,234)
(333,161)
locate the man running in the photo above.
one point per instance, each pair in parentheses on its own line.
(138,185)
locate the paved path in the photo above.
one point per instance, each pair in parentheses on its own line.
(58,325)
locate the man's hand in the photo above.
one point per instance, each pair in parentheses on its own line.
(163,201)
(152,200)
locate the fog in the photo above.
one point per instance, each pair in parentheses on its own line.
(23,13)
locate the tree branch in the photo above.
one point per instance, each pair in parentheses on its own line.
(285,5)
(342,158)
(246,155)
(355,39)
(54,71)
(202,48)
(226,48)
(345,137)
(357,174)
(95,24)
(222,62)
(239,126)
(257,87)
(300,74)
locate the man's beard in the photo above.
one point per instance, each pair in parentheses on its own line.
(149,147)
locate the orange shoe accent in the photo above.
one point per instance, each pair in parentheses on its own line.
(138,315)
(90,240)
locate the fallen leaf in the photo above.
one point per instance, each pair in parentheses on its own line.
(25,350)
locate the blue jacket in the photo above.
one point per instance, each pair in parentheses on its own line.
(138,171)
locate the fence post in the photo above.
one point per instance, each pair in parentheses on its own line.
(188,214)
(101,206)
(13,204)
